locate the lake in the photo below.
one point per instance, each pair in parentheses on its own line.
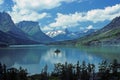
(35,57)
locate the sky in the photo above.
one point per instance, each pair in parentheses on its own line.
(75,15)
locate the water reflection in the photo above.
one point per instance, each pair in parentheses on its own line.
(52,57)
(34,58)
(105,52)
(20,56)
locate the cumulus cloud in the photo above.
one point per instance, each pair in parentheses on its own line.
(66,20)
(103,14)
(1,2)
(96,15)
(30,9)
(30,16)
(39,4)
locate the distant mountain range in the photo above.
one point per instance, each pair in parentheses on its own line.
(16,34)
(29,32)
(61,35)
(108,35)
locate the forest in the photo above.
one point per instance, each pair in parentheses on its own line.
(66,71)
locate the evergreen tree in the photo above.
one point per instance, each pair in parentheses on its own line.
(4,72)
(1,71)
(78,69)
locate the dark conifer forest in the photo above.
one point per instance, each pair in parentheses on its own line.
(66,71)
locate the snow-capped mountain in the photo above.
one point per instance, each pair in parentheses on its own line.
(54,33)
(61,35)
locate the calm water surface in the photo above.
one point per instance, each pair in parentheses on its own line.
(35,57)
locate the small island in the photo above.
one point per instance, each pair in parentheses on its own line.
(57,51)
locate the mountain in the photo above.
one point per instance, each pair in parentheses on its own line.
(33,29)
(8,26)
(8,39)
(108,35)
(84,32)
(9,33)
(58,35)
(61,35)
(55,33)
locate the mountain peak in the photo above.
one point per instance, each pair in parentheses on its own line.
(29,23)
(29,27)
(33,29)
(61,35)
(55,33)
(114,24)
(5,14)
(116,19)
(6,22)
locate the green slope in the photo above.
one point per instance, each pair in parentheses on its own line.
(110,36)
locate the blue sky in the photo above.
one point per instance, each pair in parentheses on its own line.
(76,15)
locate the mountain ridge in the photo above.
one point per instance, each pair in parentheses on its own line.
(32,28)
(62,35)
(10,34)
(7,25)
(108,35)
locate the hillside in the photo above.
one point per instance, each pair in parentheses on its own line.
(108,35)
(6,38)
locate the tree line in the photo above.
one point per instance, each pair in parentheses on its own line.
(106,71)
(12,73)
(66,71)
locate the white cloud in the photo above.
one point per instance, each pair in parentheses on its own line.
(103,14)
(96,15)
(31,15)
(66,20)
(24,10)
(29,9)
(1,2)
(63,21)
(39,4)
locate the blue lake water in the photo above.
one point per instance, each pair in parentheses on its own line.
(35,57)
